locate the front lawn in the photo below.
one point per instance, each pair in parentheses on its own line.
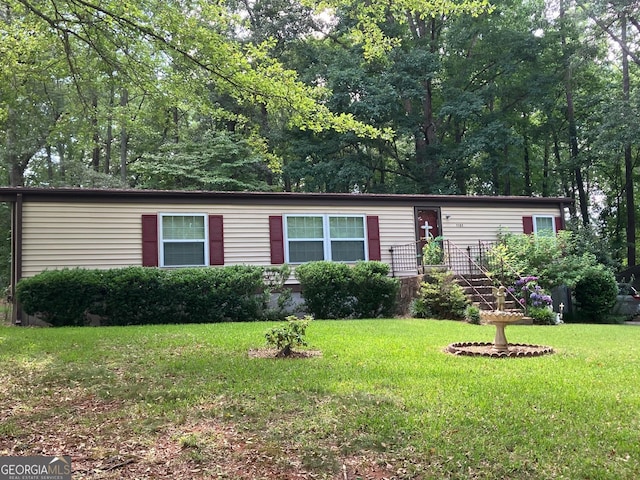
(383,401)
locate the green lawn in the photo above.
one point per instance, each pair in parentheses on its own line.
(382,401)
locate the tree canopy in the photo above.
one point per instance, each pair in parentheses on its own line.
(534,97)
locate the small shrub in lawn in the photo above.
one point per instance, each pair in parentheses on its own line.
(440,297)
(472,314)
(595,294)
(285,337)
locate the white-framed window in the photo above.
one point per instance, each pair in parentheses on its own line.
(183,240)
(340,238)
(544,225)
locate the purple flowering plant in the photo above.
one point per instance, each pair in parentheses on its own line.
(529,293)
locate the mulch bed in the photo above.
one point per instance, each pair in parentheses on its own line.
(273,353)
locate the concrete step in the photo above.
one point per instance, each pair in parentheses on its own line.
(508,305)
(479,289)
(483,290)
(475,281)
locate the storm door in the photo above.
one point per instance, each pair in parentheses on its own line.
(427,225)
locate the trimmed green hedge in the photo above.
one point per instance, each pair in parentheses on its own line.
(142,295)
(138,295)
(62,297)
(336,290)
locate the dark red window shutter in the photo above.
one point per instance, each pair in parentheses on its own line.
(527,225)
(216,240)
(559,224)
(373,237)
(276,239)
(149,240)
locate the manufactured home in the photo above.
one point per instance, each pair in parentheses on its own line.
(100,228)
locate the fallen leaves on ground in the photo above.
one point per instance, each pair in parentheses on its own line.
(106,440)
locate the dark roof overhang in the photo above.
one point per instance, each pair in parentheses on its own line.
(9,194)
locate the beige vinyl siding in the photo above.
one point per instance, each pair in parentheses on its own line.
(59,235)
(465,226)
(108,235)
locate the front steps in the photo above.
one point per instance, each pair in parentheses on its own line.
(480,291)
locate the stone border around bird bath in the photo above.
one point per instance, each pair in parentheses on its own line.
(486,349)
(500,348)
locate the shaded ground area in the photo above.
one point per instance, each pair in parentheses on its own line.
(123,447)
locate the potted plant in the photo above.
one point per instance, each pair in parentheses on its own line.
(433,254)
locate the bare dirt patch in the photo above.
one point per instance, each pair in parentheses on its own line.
(105,441)
(273,353)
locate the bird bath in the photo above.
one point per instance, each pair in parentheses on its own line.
(500,319)
(500,347)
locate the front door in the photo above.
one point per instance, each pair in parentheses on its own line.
(427,225)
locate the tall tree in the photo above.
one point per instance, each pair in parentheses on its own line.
(628,160)
(139,44)
(619,20)
(571,120)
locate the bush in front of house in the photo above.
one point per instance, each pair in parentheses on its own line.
(336,290)
(326,288)
(558,260)
(541,315)
(234,293)
(375,292)
(140,295)
(135,296)
(61,297)
(472,314)
(440,297)
(595,294)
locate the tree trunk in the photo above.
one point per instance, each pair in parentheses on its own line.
(460,173)
(16,174)
(124,137)
(568,192)
(95,152)
(49,164)
(16,171)
(545,168)
(628,161)
(426,134)
(573,130)
(528,189)
(109,139)
(63,160)
(176,119)
(507,176)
